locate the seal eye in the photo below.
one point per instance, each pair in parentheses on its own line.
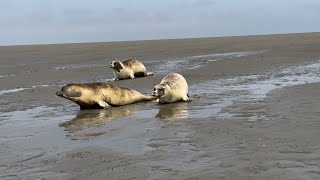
(117,66)
(161,90)
(64,89)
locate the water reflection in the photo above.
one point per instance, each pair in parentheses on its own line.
(173,111)
(87,122)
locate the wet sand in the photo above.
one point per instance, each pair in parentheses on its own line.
(254,112)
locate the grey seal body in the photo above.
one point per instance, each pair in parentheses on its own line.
(101,95)
(172,88)
(129,69)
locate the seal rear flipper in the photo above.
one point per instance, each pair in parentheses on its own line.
(94,106)
(83,107)
(156,100)
(149,73)
(139,74)
(149,97)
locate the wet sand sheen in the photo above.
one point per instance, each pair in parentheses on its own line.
(243,89)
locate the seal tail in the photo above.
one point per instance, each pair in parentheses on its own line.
(149,74)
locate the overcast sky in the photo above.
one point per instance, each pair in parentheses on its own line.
(65,21)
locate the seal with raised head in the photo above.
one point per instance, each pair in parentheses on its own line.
(98,95)
(129,69)
(172,88)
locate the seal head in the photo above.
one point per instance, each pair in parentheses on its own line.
(116,65)
(159,90)
(69,91)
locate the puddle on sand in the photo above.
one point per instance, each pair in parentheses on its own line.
(12,90)
(78,66)
(7,75)
(29,136)
(20,123)
(173,111)
(136,129)
(15,90)
(88,123)
(195,62)
(219,94)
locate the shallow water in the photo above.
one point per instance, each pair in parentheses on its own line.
(6,75)
(142,127)
(195,62)
(252,88)
(77,66)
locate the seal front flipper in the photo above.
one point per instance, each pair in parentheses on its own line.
(149,74)
(131,76)
(186,98)
(147,97)
(103,104)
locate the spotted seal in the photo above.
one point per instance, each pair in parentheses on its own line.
(172,88)
(129,69)
(98,95)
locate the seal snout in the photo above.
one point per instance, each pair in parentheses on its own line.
(59,93)
(155,94)
(111,65)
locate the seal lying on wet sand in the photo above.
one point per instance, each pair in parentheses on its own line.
(172,88)
(129,69)
(101,95)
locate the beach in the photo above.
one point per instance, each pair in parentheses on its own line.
(254,111)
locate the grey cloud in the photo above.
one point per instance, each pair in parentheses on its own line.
(3,5)
(188,18)
(78,12)
(200,3)
(38,18)
(118,16)
(314,6)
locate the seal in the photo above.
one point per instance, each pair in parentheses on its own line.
(172,88)
(98,95)
(129,69)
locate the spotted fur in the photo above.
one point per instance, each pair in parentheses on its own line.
(98,95)
(172,88)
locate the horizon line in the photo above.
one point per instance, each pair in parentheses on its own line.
(186,38)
